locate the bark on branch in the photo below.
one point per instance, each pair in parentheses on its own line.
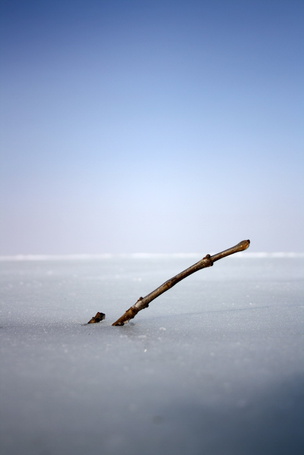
(207,261)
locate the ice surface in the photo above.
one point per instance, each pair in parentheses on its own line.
(214,366)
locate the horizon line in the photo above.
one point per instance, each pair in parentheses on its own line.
(85,256)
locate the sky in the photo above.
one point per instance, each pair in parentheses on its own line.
(151,126)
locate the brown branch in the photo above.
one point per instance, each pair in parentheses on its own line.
(207,261)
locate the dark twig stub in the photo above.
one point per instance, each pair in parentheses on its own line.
(97,318)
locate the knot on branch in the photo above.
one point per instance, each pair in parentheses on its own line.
(129,314)
(208,259)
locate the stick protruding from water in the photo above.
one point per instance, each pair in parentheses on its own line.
(207,261)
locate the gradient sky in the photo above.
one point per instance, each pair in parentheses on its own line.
(151,126)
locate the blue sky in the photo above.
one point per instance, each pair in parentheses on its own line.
(151,126)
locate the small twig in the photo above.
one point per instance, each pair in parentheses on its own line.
(97,318)
(207,261)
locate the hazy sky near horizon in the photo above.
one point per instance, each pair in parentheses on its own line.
(151,126)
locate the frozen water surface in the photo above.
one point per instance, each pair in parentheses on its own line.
(214,366)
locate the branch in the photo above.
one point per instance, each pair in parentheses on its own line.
(207,261)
